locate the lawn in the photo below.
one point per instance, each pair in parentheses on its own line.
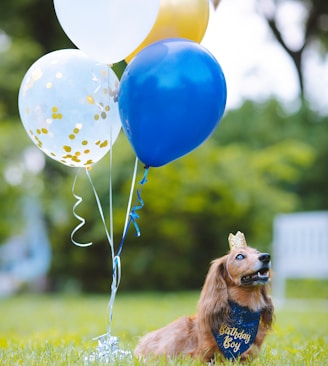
(59,329)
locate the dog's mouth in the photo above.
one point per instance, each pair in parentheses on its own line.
(257,278)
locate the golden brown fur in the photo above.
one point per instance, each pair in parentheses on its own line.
(193,335)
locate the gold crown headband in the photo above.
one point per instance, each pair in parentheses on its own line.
(237,241)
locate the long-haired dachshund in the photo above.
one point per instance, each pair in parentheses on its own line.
(234,313)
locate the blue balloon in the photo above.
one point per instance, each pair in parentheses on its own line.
(171,98)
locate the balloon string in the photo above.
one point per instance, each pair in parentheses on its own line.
(78,217)
(115,259)
(110,173)
(116,262)
(133,215)
(101,212)
(116,278)
(82,220)
(131,195)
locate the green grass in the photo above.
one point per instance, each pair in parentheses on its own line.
(307,288)
(59,329)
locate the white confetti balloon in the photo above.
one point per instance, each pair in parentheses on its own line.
(68,106)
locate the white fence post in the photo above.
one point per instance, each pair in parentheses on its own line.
(300,248)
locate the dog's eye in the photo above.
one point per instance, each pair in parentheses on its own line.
(239,257)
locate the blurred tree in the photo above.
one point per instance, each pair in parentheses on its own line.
(313,25)
(268,124)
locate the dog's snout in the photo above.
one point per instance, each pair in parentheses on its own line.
(265,258)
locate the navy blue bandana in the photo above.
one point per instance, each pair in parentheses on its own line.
(236,337)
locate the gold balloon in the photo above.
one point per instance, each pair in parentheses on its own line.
(178,19)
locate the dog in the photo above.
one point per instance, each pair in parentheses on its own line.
(234,312)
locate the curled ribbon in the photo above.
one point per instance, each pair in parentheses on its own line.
(133,215)
(82,220)
(78,217)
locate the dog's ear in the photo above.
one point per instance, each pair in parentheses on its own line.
(213,308)
(267,314)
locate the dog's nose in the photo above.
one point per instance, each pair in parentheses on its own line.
(265,258)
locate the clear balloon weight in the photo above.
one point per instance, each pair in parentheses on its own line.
(68,106)
(107,30)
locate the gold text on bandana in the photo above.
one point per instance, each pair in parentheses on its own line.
(237,336)
(233,336)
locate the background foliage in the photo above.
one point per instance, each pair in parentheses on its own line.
(262,160)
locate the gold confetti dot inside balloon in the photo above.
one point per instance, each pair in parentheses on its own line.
(56,115)
(103,115)
(76,159)
(90,99)
(107,108)
(67,148)
(76,130)
(104,144)
(77,153)
(96,117)
(38,132)
(89,162)
(38,140)
(71,137)
(84,142)
(44,130)
(87,151)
